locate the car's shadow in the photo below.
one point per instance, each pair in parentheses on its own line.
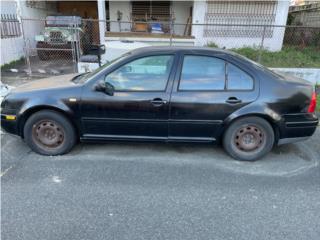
(281,161)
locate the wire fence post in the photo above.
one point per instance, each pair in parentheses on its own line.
(171,31)
(26,49)
(262,43)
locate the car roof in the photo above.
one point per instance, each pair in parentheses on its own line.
(178,48)
(206,50)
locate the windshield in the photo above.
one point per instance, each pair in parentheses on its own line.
(82,78)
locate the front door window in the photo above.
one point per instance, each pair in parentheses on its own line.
(143,74)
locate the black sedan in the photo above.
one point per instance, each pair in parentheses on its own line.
(165,94)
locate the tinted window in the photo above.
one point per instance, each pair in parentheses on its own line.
(238,79)
(202,73)
(144,74)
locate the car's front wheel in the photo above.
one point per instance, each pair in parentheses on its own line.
(49,133)
(248,139)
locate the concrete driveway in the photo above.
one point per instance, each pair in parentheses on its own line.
(160,191)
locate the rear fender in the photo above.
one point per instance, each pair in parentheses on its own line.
(262,111)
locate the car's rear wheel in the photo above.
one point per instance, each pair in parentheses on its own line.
(248,139)
(49,133)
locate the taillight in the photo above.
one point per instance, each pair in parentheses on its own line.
(313,103)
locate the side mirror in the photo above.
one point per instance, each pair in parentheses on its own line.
(105,87)
(109,89)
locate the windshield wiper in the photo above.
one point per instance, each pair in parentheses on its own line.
(78,78)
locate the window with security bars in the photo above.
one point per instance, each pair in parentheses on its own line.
(10,26)
(235,13)
(151,10)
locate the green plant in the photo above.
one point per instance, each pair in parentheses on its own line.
(289,56)
(212,44)
(12,64)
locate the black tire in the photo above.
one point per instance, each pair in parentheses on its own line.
(248,139)
(43,55)
(50,133)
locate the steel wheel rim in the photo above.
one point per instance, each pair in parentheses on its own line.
(48,134)
(249,138)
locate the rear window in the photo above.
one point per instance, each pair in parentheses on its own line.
(202,73)
(238,79)
(206,73)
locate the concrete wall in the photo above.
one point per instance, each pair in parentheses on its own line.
(273,44)
(125,8)
(181,11)
(11,48)
(199,11)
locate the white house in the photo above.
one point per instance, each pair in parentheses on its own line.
(13,46)
(182,22)
(214,21)
(11,39)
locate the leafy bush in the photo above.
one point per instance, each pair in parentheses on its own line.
(212,44)
(12,64)
(287,57)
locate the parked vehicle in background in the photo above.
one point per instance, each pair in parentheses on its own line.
(166,94)
(60,32)
(113,50)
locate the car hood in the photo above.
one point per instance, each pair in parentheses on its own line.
(48,83)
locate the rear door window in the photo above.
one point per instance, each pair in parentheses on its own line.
(238,79)
(202,73)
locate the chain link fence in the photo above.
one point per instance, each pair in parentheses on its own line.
(54,46)
(51,45)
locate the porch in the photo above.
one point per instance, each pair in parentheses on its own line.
(151,22)
(153,39)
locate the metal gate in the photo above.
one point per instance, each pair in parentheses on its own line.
(52,45)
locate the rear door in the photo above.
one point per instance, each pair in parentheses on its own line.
(207,89)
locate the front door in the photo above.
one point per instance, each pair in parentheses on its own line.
(139,107)
(207,90)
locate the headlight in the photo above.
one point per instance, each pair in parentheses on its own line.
(46,34)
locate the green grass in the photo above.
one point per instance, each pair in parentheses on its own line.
(308,57)
(12,64)
(318,103)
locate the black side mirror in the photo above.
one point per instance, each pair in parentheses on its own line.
(109,88)
(105,87)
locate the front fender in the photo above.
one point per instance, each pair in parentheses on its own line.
(31,106)
(50,103)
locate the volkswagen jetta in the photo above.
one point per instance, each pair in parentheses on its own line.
(165,94)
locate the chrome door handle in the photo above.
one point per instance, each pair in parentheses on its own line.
(233,100)
(158,102)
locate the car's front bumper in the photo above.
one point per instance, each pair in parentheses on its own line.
(9,123)
(297,127)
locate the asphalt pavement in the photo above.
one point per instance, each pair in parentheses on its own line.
(159,191)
